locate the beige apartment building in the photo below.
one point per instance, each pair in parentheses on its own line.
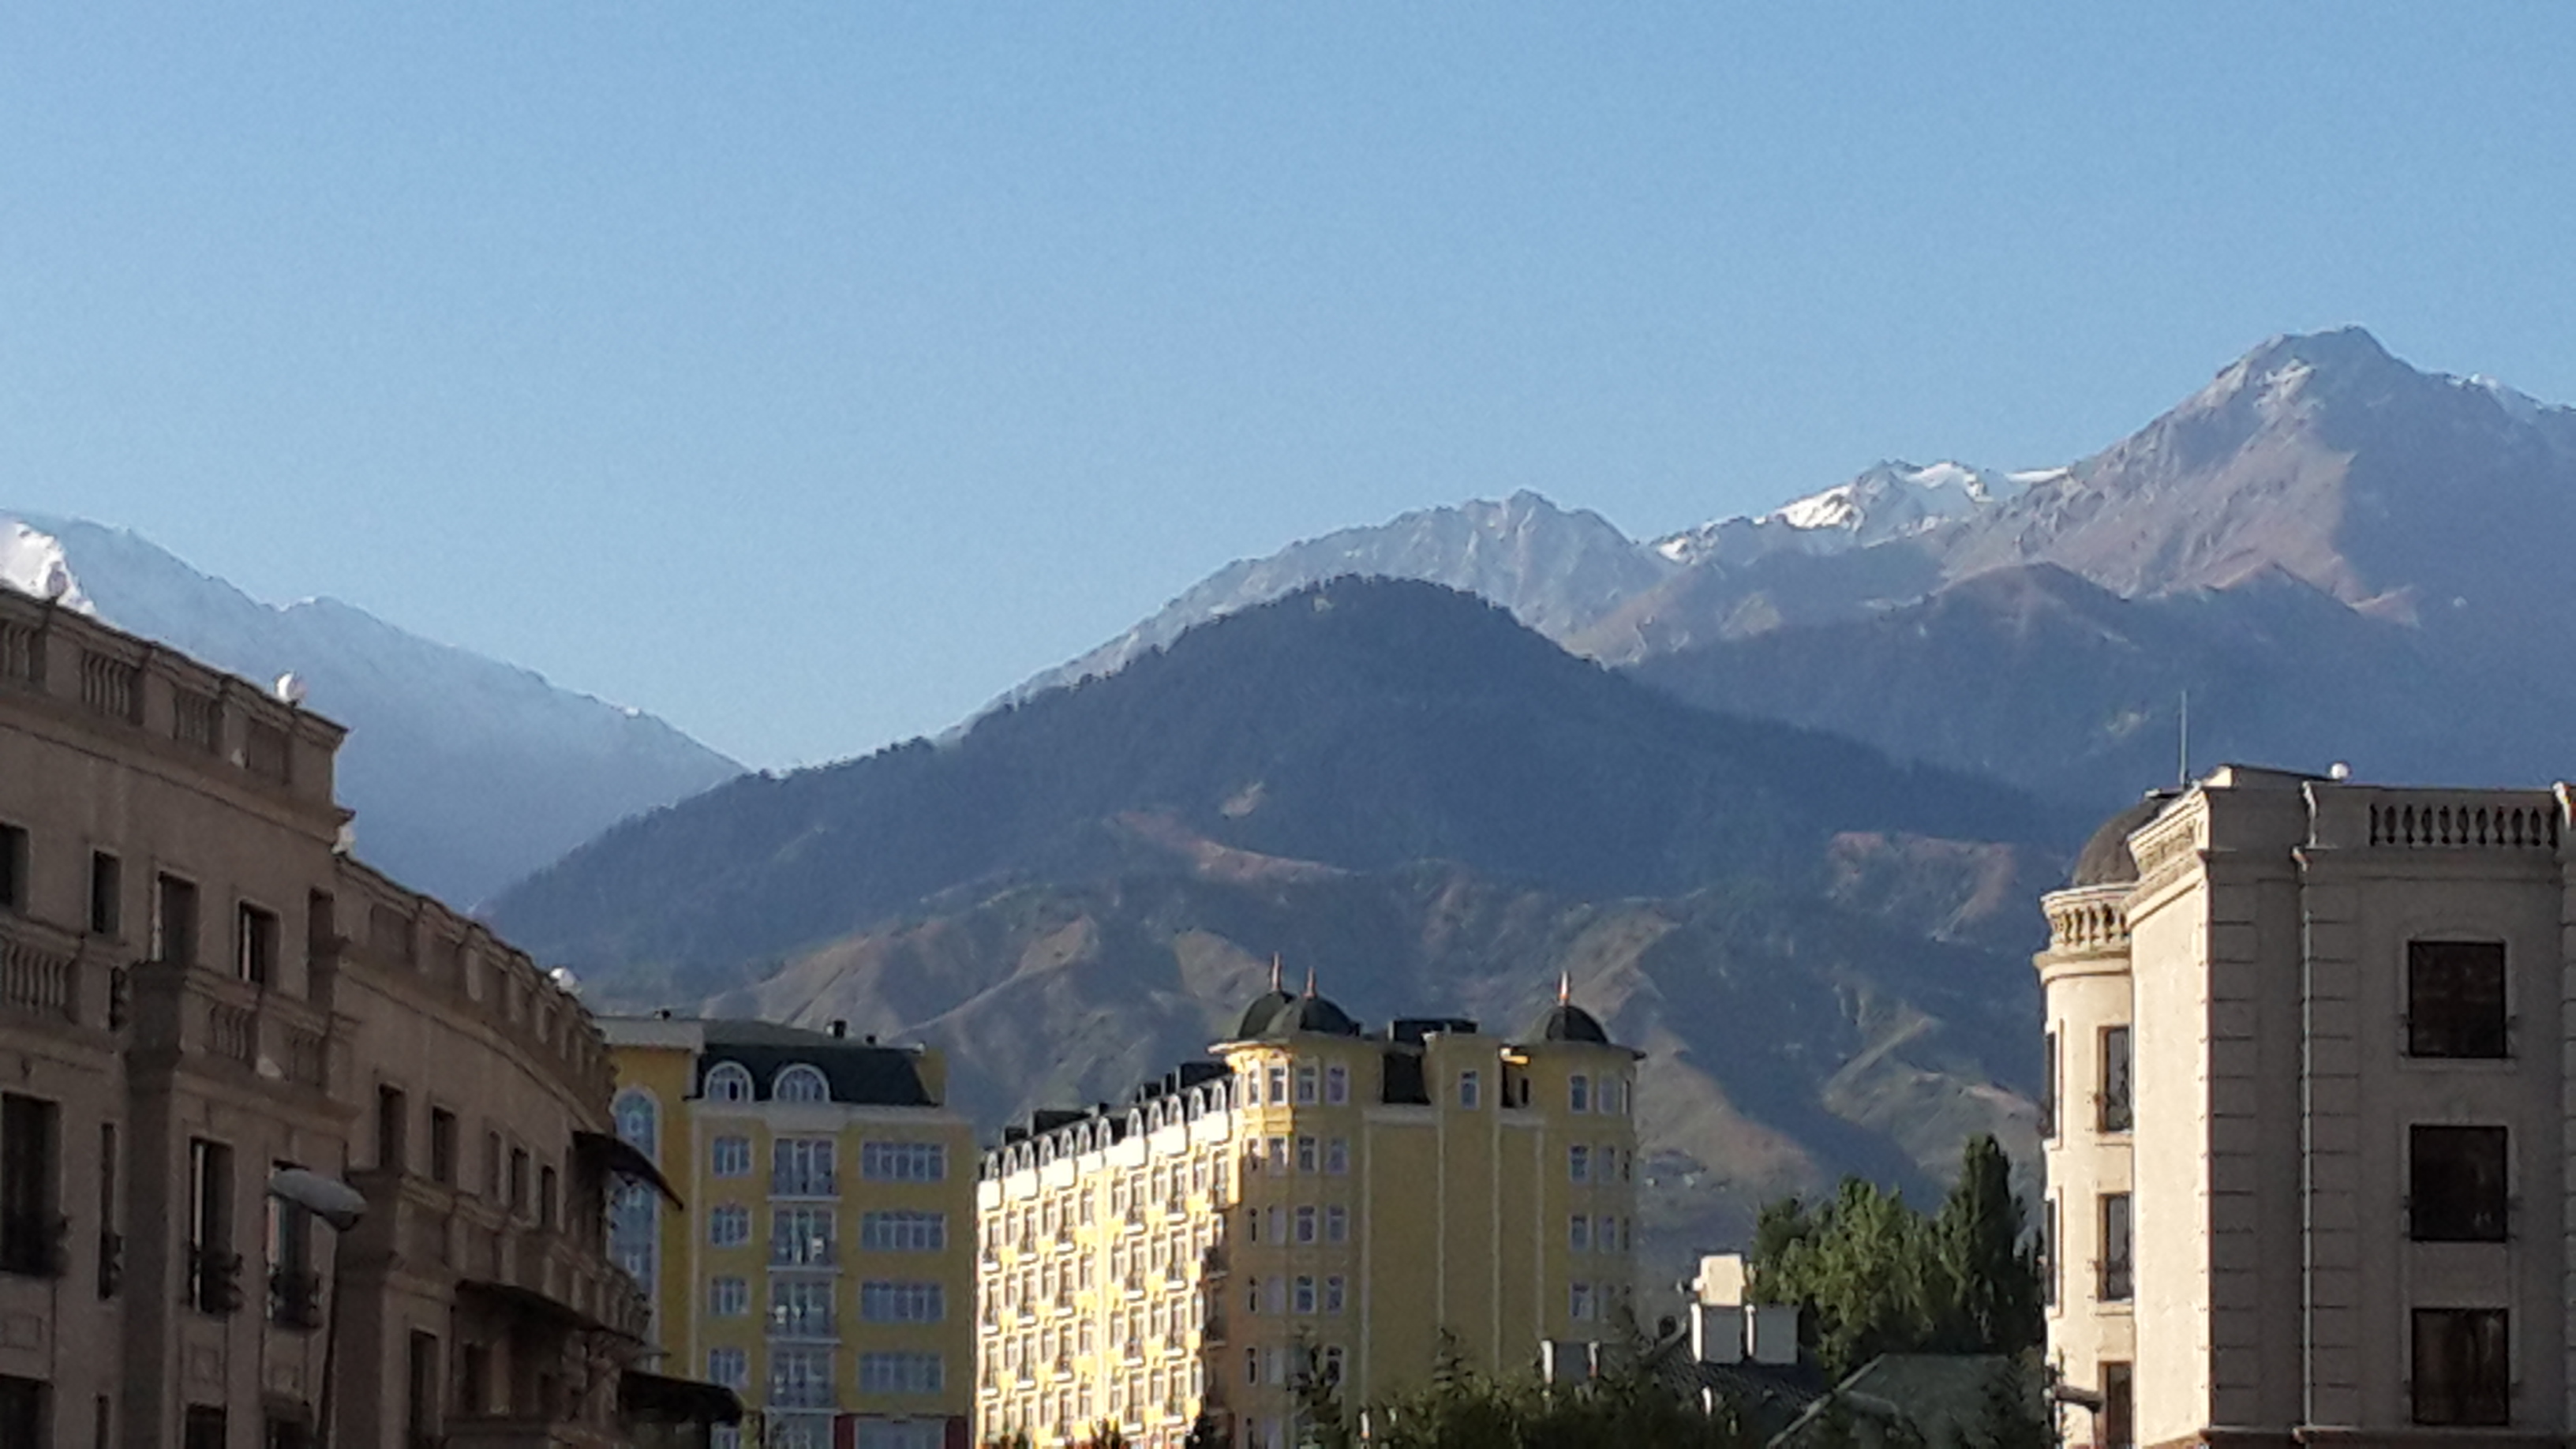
(198,988)
(826,1271)
(1316,1199)
(2310,1117)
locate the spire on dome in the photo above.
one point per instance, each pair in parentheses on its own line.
(1565,988)
(1274,970)
(1310,980)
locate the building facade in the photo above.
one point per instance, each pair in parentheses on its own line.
(1315,1200)
(2310,1102)
(826,1269)
(199,988)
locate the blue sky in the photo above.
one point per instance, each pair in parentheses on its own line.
(810,374)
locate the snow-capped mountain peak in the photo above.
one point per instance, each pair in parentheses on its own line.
(1891,500)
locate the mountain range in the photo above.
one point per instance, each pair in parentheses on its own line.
(1435,808)
(465,773)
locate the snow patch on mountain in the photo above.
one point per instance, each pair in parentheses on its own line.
(1891,500)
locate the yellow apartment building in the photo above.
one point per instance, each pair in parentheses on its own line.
(1316,1194)
(2310,1090)
(824,1269)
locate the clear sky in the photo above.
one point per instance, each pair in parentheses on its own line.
(810,374)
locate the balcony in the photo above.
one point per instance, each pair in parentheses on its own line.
(807,1395)
(804,1253)
(295,1299)
(804,1184)
(214,1281)
(812,1325)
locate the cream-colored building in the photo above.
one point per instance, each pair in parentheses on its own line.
(198,988)
(2308,1049)
(1317,1197)
(825,1267)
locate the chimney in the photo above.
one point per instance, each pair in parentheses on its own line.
(1774,1338)
(840,1027)
(1717,1333)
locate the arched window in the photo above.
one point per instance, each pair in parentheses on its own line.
(799,1083)
(638,1121)
(728,1082)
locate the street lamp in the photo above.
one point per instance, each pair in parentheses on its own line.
(340,1205)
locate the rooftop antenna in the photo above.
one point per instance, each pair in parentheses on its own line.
(1310,981)
(1565,988)
(2182,773)
(1274,970)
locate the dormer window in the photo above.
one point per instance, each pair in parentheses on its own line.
(800,1083)
(728,1082)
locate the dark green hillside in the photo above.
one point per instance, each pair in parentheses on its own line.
(1362,725)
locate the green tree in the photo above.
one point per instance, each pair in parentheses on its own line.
(1872,1276)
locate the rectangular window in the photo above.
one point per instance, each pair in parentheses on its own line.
(106,894)
(1578,1163)
(728,1297)
(1337,1224)
(393,1114)
(1333,1293)
(1305,1225)
(2048,1253)
(1305,1154)
(903,1161)
(2463,1368)
(2455,999)
(442,1146)
(255,945)
(884,1302)
(902,1373)
(730,1367)
(14,857)
(202,1426)
(729,1226)
(1578,1304)
(1337,1085)
(293,1288)
(2115,1247)
(519,1181)
(1306,1087)
(732,1157)
(174,921)
(546,1196)
(2456,1181)
(111,1247)
(1578,1093)
(1304,1299)
(420,1414)
(31,1168)
(2115,1079)
(905,1232)
(800,1307)
(2119,1408)
(1470,1092)
(1578,1233)
(800,1237)
(1337,1156)
(214,1269)
(1278,1086)
(801,1167)
(2048,1090)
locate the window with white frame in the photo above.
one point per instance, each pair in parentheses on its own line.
(1578,1093)
(800,1237)
(799,1083)
(1333,1287)
(801,1167)
(1307,1093)
(1578,1163)
(731,1157)
(1278,1086)
(1579,1302)
(728,1297)
(1305,1294)
(893,1302)
(902,1373)
(801,1378)
(1470,1091)
(728,1082)
(1305,1225)
(1337,1224)
(730,1367)
(903,1161)
(1306,1160)
(1337,1085)
(729,1226)
(1578,1233)
(907,1232)
(1337,1155)
(800,1307)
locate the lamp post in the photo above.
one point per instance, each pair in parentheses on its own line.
(340,1205)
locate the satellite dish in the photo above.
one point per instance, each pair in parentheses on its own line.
(290,687)
(563,978)
(58,582)
(2338,771)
